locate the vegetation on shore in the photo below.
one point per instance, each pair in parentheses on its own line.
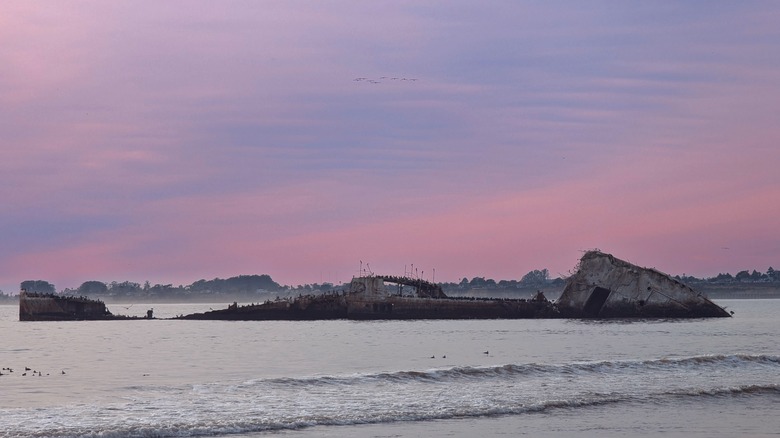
(262,287)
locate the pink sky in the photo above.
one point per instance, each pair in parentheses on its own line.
(178,141)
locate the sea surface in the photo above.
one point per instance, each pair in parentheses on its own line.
(489,378)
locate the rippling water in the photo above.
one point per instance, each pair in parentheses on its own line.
(715,377)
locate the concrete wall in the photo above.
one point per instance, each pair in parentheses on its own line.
(50,307)
(369,286)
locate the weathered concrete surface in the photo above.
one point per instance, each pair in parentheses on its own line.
(449,308)
(49,307)
(607,287)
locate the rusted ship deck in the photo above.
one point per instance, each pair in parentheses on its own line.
(360,306)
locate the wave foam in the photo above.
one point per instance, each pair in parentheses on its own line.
(530,369)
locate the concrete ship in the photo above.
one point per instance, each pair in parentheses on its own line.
(603,287)
(607,287)
(370,298)
(35,306)
(50,307)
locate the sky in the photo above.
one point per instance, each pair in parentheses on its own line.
(184,140)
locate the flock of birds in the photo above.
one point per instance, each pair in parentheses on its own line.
(383,79)
(6,371)
(445,356)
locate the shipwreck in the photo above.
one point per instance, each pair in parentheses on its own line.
(35,306)
(370,298)
(604,286)
(50,307)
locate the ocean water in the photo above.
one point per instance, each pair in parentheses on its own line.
(159,378)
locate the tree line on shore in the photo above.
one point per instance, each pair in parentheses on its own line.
(261,287)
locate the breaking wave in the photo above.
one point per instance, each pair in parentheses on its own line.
(459,392)
(531,370)
(219,425)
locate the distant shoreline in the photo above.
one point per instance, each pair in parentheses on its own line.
(712,291)
(744,290)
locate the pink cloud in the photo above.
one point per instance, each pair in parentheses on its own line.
(207,140)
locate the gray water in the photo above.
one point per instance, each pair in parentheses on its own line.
(709,378)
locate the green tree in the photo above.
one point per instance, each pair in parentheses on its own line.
(742,276)
(40,286)
(722,278)
(477,282)
(535,278)
(756,276)
(93,288)
(125,288)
